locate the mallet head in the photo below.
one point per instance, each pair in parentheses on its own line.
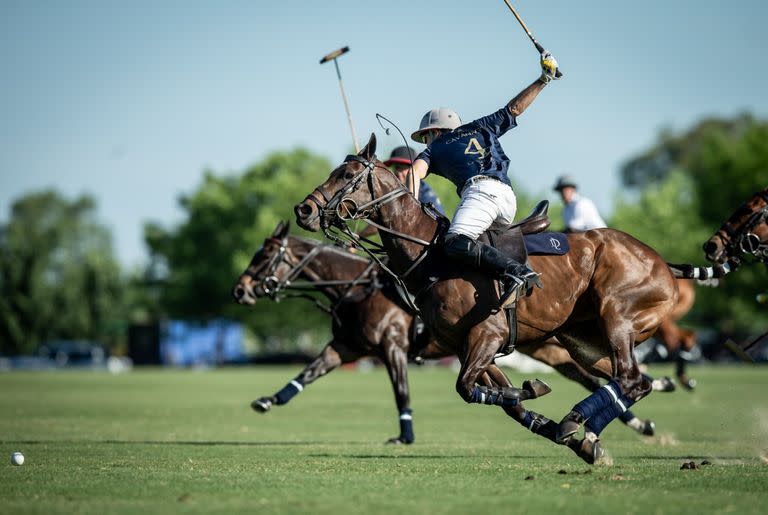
(334,54)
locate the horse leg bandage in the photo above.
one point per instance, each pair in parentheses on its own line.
(290,390)
(683,358)
(504,397)
(627,416)
(406,425)
(599,421)
(599,400)
(540,425)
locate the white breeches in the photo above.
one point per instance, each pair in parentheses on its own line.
(484,204)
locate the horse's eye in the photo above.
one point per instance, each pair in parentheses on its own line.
(349,174)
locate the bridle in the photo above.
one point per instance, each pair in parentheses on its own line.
(743,240)
(277,288)
(339,208)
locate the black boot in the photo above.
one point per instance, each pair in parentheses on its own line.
(516,278)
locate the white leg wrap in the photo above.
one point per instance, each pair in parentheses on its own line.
(613,394)
(297,384)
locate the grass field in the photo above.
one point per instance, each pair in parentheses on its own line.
(160,441)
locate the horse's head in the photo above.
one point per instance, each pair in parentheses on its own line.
(745,232)
(354,190)
(267,269)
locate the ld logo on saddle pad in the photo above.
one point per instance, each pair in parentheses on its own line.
(546,243)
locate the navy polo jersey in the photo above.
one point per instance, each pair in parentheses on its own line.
(427,195)
(471,149)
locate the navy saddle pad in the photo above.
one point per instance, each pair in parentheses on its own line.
(546,243)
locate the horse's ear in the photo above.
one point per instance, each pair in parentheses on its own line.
(285,225)
(369,150)
(281,229)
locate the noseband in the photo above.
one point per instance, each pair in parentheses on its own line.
(744,241)
(275,288)
(269,281)
(340,208)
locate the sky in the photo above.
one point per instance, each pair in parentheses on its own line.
(131,101)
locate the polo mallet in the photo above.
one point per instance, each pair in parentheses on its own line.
(540,48)
(332,57)
(736,349)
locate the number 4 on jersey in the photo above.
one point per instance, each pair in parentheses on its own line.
(473,147)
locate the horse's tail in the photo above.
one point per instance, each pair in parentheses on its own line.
(702,273)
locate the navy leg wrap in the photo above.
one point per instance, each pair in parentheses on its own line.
(599,400)
(289,391)
(626,416)
(528,420)
(492,396)
(598,422)
(540,425)
(406,425)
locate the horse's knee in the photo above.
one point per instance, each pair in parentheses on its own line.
(464,390)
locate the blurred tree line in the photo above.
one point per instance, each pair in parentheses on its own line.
(226,219)
(59,277)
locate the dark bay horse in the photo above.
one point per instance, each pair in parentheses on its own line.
(360,304)
(366,318)
(744,235)
(600,299)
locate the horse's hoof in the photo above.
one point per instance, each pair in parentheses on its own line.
(418,360)
(588,450)
(568,427)
(688,384)
(536,388)
(262,404)
(649,428)
(399,440)
(665,384)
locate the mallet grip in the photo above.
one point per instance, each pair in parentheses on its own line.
(334,54)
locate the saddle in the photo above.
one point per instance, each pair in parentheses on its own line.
(516,241)
(528,237)
(536,222)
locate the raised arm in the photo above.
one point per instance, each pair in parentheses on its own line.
(523,99)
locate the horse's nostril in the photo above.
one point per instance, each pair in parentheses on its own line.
(305,209)
(710,247)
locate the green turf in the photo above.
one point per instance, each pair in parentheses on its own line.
(160,441)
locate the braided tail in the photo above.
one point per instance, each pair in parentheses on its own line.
(704,272)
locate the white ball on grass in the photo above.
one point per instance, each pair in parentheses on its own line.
(17,458)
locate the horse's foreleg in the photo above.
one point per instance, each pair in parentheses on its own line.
(327,360)
(395,358)
(482,344)
(534,422)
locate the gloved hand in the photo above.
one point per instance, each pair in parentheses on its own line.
(549,69)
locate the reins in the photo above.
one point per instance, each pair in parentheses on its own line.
(278,289)
(333,216)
